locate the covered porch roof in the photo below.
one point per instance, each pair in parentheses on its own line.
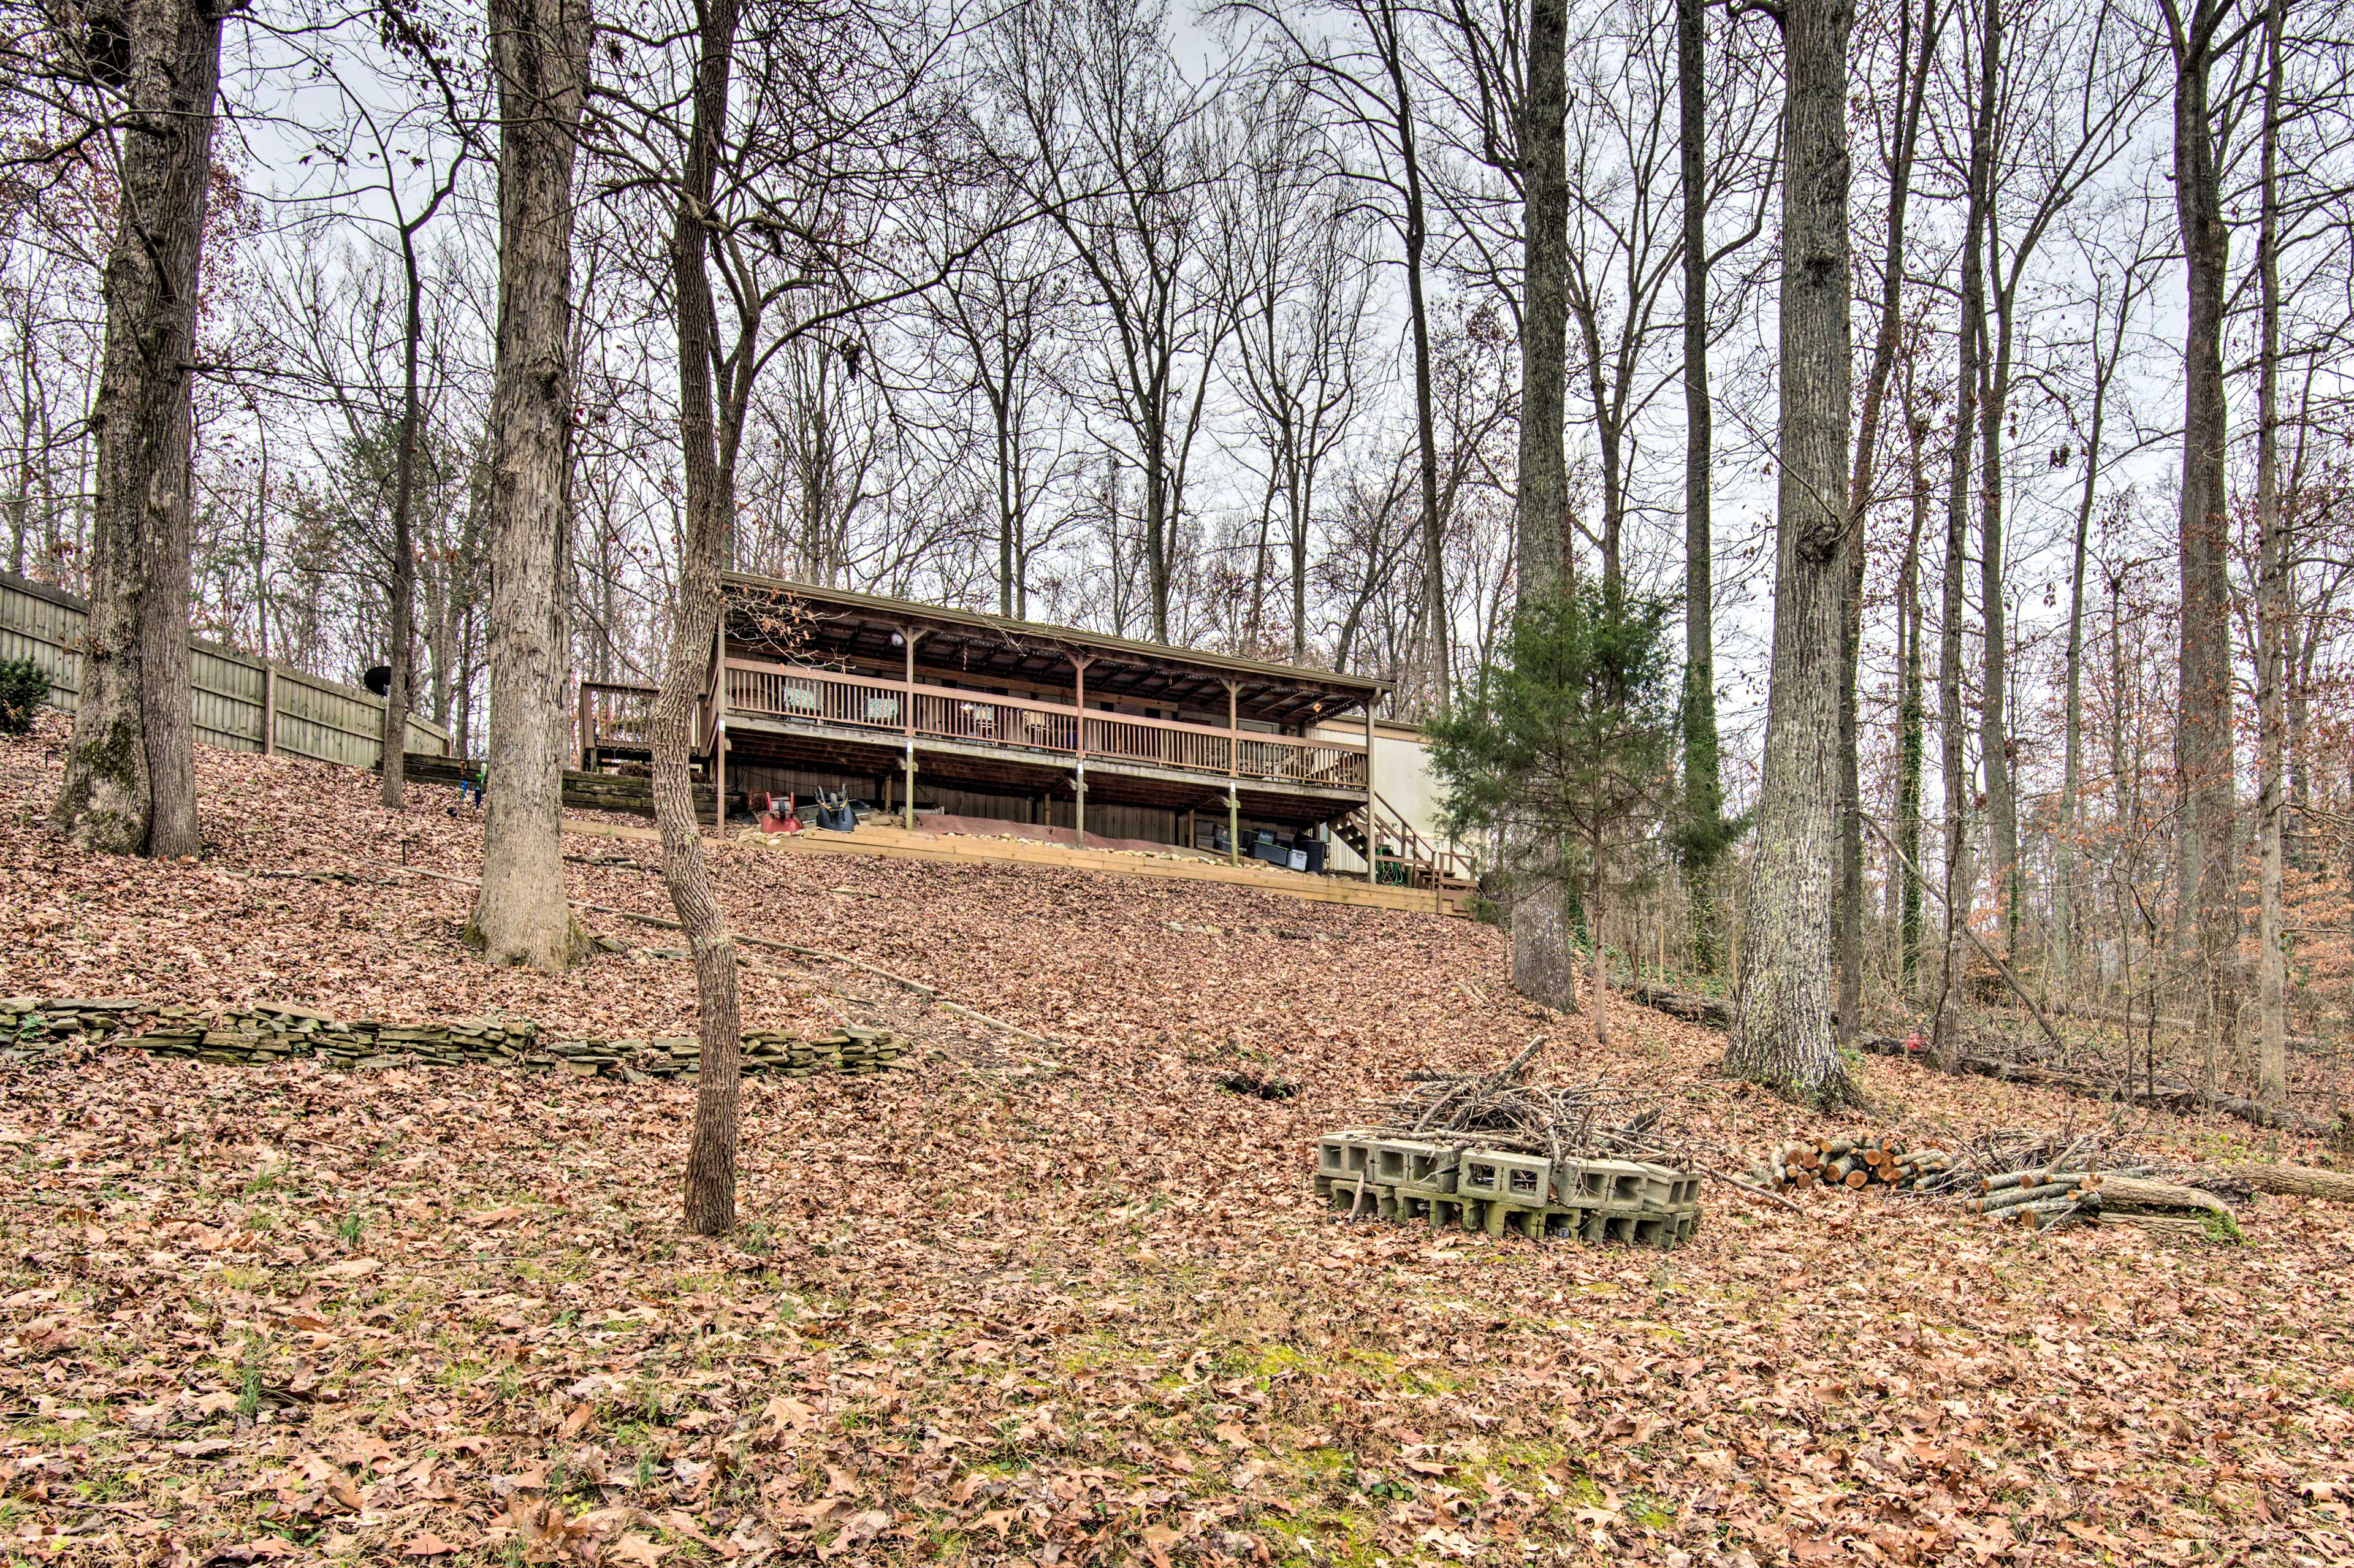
(803,623)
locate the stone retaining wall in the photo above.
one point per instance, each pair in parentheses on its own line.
(33,1027)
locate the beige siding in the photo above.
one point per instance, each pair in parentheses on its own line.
(1402,779)
(317,718)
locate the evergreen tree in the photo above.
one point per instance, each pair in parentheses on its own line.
(1569,740)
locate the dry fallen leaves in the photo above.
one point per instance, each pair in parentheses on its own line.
(1061,1304)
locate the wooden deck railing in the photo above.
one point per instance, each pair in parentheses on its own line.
(615,717)
(833,697)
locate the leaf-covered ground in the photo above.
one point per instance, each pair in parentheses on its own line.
(1023,1303)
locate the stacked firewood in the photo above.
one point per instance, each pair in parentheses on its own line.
(1882,1161)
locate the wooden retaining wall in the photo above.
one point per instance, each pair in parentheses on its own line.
(236,695)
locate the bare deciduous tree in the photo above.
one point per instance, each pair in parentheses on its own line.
(154,70)
(540,57)
(1782,1029)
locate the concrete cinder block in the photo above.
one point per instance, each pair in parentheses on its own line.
(1659,1185)
(1404,1161)
(1523,1181)
(1607,1182)
(1344,1154)
(1366,1174)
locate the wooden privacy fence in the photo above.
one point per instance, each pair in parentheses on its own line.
(242,702)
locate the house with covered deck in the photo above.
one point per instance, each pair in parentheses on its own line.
(992,724)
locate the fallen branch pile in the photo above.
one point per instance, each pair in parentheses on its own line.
(1499,1110)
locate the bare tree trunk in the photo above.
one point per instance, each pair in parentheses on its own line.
(540,53)
(1703,803)
(1543,498)
(1438,653)
(20,506)
(1994,732)
(710,1194)
(129,774)
(1912,82)
(1960,876)
(1156,519)
(167,699)
(2203,732)
(399,697)
(1542,965)
(1597,985)
(2063,883)
(1910,718)
(1782,1030)
(2271,603)
(2064,890)
(1005,503)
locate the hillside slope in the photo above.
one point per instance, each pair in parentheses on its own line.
(1022,1302)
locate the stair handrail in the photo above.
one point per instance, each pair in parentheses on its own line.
(1438,858)
(1438,861)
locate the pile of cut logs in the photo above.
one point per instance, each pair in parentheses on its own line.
(2040,1179)
(1850,1162)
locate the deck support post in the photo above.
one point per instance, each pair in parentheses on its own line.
(1372,844)
(1079,806)
(1234,768)
(718,728)
(907,636)
(719,732)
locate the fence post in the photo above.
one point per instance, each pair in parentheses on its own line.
(269,710)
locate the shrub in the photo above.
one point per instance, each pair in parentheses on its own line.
(24,687)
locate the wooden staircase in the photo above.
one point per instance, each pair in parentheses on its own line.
(1403,857)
